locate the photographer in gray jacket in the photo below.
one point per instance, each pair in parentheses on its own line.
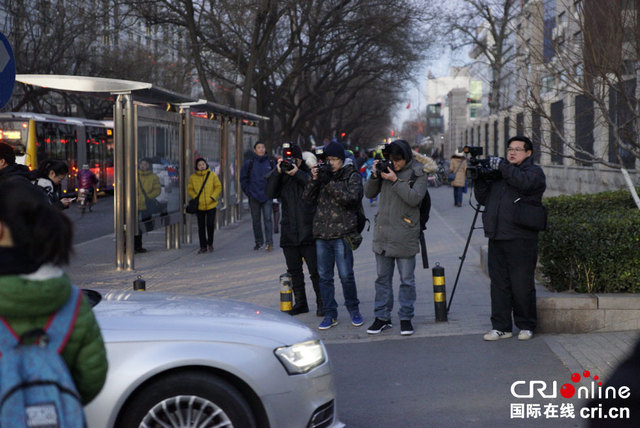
(402,186)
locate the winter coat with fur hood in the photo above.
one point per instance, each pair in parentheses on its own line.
(396,230)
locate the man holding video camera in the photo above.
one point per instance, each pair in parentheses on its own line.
(336,190)
(287,182)
(402,184)
(510,195)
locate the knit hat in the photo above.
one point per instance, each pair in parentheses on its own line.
(296,151)
(334,149)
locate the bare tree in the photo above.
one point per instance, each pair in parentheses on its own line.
(586,61)
(487,27)
(301,61)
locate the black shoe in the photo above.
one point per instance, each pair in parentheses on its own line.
(139,250)
(379,325)
(202,250)
(406,328)
(210,248)
(299,309)
(257,247)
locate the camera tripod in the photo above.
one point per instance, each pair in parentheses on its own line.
(466,245)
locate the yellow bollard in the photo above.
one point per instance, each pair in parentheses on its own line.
(439,293)
(286,297)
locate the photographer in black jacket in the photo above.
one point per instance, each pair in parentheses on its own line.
(513,248)
(287,182)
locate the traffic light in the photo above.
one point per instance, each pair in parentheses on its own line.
(343,134)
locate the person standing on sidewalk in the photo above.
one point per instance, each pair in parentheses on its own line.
(337,194)
(287,182)
(513,249)
(148,189)
(208,181)
(253,181)
(458,167)
(396,235)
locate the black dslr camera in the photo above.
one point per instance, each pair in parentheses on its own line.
(323,167)
(384,164)
(287,158)
(479,168)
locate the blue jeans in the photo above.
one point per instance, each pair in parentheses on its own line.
(457,195)
(384,291)
(330,252)
(264,210)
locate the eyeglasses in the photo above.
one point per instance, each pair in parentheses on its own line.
(516,149)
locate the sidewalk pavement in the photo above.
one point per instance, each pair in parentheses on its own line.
(235,271)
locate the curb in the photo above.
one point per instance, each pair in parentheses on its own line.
(568,312)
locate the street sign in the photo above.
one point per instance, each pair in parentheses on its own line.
(7,71)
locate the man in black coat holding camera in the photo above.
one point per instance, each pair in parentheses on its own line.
(513,245)
(287,182)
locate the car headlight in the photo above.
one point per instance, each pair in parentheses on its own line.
(301,357)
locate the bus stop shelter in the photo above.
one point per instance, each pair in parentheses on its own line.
(168,130)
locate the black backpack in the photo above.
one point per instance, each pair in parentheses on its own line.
(425,209)
(425,205)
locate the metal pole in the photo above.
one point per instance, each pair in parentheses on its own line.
(118,200)
(464,255)
(238,168)
(130,166)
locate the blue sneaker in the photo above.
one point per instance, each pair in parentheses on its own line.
(327,323)
(356,319)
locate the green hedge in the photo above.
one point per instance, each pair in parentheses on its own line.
(592,244)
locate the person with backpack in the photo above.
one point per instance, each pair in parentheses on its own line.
(396,233)
(336,190)
(253,183)
(205,186)
(39,305)
(287,182)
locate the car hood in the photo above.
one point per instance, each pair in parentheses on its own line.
(149,316)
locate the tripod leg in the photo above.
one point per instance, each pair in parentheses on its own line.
(464,255)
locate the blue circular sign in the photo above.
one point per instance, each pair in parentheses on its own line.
(7,71)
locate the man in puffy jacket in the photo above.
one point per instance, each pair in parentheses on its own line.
(253,182)
(513,248)
(396,235)
(337,194)
(287,182)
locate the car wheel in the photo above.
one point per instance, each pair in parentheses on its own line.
(189,399)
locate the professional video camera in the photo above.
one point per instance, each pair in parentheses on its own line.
(287,158)
(324,167)
(479,168)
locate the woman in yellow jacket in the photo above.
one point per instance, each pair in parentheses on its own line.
(207,202)
(148,188)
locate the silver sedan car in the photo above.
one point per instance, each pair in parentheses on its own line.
(178,361)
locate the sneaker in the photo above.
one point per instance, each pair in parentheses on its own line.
(269,247)
(327,323)
(406,328)
(497,334)
(525,335)
(379,325)
(356,319)
(257,247)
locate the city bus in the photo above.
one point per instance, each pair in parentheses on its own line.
(36,137)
